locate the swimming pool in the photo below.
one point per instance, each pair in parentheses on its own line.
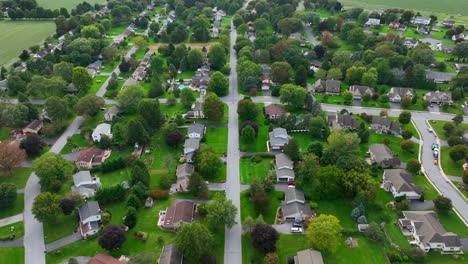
(183,87)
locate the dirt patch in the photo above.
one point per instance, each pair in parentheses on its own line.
(207,45)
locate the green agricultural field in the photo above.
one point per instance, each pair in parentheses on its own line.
(68,4)
(19,35)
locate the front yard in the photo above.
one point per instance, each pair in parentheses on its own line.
(19,178)
(449,166)
(247,208)
(394,145)
(250,168)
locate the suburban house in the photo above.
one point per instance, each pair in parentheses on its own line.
(191,146)
(182,212)
(328,86)
(439,77)
(410,43)
(461,36)
(400,183)
(94,68)
(439,97)
(372,22)
(111,112)
(196,112)
(448,23)
(397,26)
(273,111)
(170,255)
(284,168)
(90,216)
(294,206)
(446,48)
(424,30)
(382,155)
(278,138)
(346,121)
(196,131)
(183,173)
(358,91)
(421,20)
(33,127)
(428,233)
(308,256)
(91,157)
(385,125)
(140,73)
(299,37)
(101,129)
(102,258)
(396,94)
(85,184)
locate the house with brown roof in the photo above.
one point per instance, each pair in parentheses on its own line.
(180,213)
(382,155)
(273,111)
(33,127)
(400,183)
(358,91)
(327,86)
(91,157)
(428,233)
(308,256)
(102,258)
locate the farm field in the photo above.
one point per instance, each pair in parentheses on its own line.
(19,35)
(68,4)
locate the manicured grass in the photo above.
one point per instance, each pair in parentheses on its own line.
(249,253)
(452,109)
(97,83)
(441,56)
(216,138)
(453,223)
(449,166)
(330,99)
(439,34)
(63,226)
(185,75)
(375,103)
(394,145)
(12,255)
(247,208)
(438,126)
(260,144)
(68,4)
(430,193)
(19,35)
(249,169)
(394,232)
(18,230)
(411,33)
(113,178)
(289,245)
(140,54)
(304,139)
(4,133)
(75,141)
(339,208)
(170,111)
(116,30)
(109,67)
(366,252)
(19,177)
(226,21)
(16,209)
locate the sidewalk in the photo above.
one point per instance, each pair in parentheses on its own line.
(11,220)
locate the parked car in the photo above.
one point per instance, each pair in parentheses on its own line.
(434,146)
(296,229)
(435,162)
(291,183)
(297,224)
(430,130)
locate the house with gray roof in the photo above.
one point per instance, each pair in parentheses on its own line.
(428,233)
(440,77)
(396,94)
(382,155)
(101,129)
(372,22)
(196,131)
(358,91)
(191,146)
(196,112)
(385,125)
(183,173)
(284,168)
(278,138)
(94,68)
(90,216)
(294,207)
(111,112)
(347,121)
(400,183)
(410,43)
(85,184)
(439,97)
(421,20)
(327,86)
(170,255)
(308,256)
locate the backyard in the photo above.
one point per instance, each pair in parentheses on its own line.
(260,143)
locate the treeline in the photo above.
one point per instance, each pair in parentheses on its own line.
(19,9)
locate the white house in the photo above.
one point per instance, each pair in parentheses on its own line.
(90,216)
(101,129)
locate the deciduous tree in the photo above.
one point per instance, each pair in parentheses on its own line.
(218,84)
(46,207)
(8,195)
(264,238)
(207,162)
(130,97)
(112,237)
(324,233)
(51,169)
(213,107)
(10,156)
(81,79)
(194,241)
(221,212)
(89,105)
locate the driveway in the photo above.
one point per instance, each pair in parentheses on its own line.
(394,105)
(283,228)
(419,205)
(63,241)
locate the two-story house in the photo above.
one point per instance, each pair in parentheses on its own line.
(385,125)
(382,155)
(278,138)
(396,94)
(439,97)
(400,183)
(358,91)
(332,87)
(90,216)
(85,184)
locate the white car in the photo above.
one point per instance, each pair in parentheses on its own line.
(430,130)
(296,229)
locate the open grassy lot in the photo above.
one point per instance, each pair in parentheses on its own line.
(63,226)
(19,177)
(339,208)
(449,166)
(18,230)
(247,208)
(216,137)
(366,252)
(453,223)
(19,35)
(12,255)
(304,139)
(17,209)
(68,4)
(249,169)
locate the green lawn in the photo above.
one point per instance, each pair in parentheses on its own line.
(19,35)
(412,33)
(185,75)
(19,177)
(453,223)
(439,34)
(12,255)
(113,178)
(226,21)
(366,252)
(260,144)
(249,169)
(17,208)
(375,103)
(330,99)
(63,226)
(339,208)
(140,54)
(249,254)
(4,133)
(68,4)
(452,109)
(216,137)
(430,193)
(289,245)
(394,145)
(18,230)
(247,208)
(160,150)
(109,67)
(304,139)
(116,30)
(74,141)
(449,166)
(97,83)
(170,111)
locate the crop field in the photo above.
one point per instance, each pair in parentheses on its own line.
(69,4)
(442,8)
(19,35)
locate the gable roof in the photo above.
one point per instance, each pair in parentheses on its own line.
(90,154)
(387,122)
(279,136)
(283,160)
(401,180)
(361,90)
(347,120)
(292,195)
(196,128)
(438,96)
(440,76)
(429,229)
(333,86)
(184,170)
(381,152)
(192,143)
(273,110)
(112,110)
(400,91)
(90,208)
(170,255)
(33,125)
(81,176)
(296,208)
(309,256)
(102,258)
(179,212)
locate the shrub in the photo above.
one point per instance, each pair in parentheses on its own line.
(110,194)
(159,194)
(165,182)
(133,201)
(112,165)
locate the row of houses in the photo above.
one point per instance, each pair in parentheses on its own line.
(192,144)
(170,18)
(218,15)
